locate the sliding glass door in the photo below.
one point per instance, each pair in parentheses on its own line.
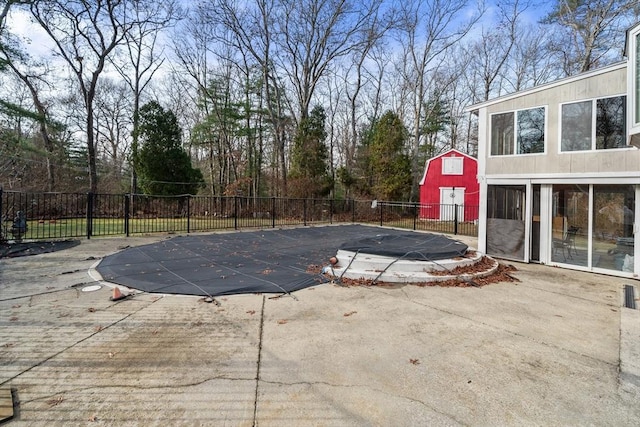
(593,226)
(613,218)
(570,224)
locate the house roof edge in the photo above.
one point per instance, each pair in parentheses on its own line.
(565,80)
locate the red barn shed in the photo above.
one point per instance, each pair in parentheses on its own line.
(450,179)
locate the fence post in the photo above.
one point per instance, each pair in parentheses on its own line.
(304,211)
(188,213)
(455,219)
(273,212)
(381,219)
(235,212)
(2,237)
(331,211)
(127,206)
(89,214)
(415,214)
(353,210)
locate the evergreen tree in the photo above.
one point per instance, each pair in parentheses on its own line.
(390,166)
(309,174)
(162,165)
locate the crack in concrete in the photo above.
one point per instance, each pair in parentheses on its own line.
(257,379)
(367,387)
(139,387)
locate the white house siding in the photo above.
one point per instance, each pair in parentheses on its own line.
(610,83)
(591,174)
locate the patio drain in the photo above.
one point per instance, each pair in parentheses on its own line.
(629,297)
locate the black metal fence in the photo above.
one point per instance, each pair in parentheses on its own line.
(72,215)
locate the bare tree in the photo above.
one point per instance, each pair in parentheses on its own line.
(589,32)
(32,75)
(356,76)
(85,33)
(143,58)
(251,29)
(427,29)
(531,64)
(208,83)
(491,52)
(113,125)
(315,33)
(377,71)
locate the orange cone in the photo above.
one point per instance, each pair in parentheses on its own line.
(117,295)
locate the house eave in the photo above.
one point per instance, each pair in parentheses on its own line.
(546,86)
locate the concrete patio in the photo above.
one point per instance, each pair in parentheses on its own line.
(555,348)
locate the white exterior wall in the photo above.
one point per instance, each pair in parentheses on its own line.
(553,163)
(611,166)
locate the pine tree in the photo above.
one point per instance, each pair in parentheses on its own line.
(309,175)
(390,166)
(162,165)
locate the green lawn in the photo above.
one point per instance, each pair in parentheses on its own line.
(77,227)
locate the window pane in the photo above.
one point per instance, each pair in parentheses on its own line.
(610,122)
(576,126)
(502,134)
(531,131)
(570,225)
(613,217)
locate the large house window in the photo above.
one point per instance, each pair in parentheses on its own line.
(578,132)
(519,132)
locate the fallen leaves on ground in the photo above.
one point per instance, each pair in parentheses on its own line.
(349,313)
(314,269)
(55,401)
(502,274)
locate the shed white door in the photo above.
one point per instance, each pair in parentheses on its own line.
(449,197)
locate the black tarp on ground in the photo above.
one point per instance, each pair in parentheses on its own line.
(266,261)
(12,250)
(411,246)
